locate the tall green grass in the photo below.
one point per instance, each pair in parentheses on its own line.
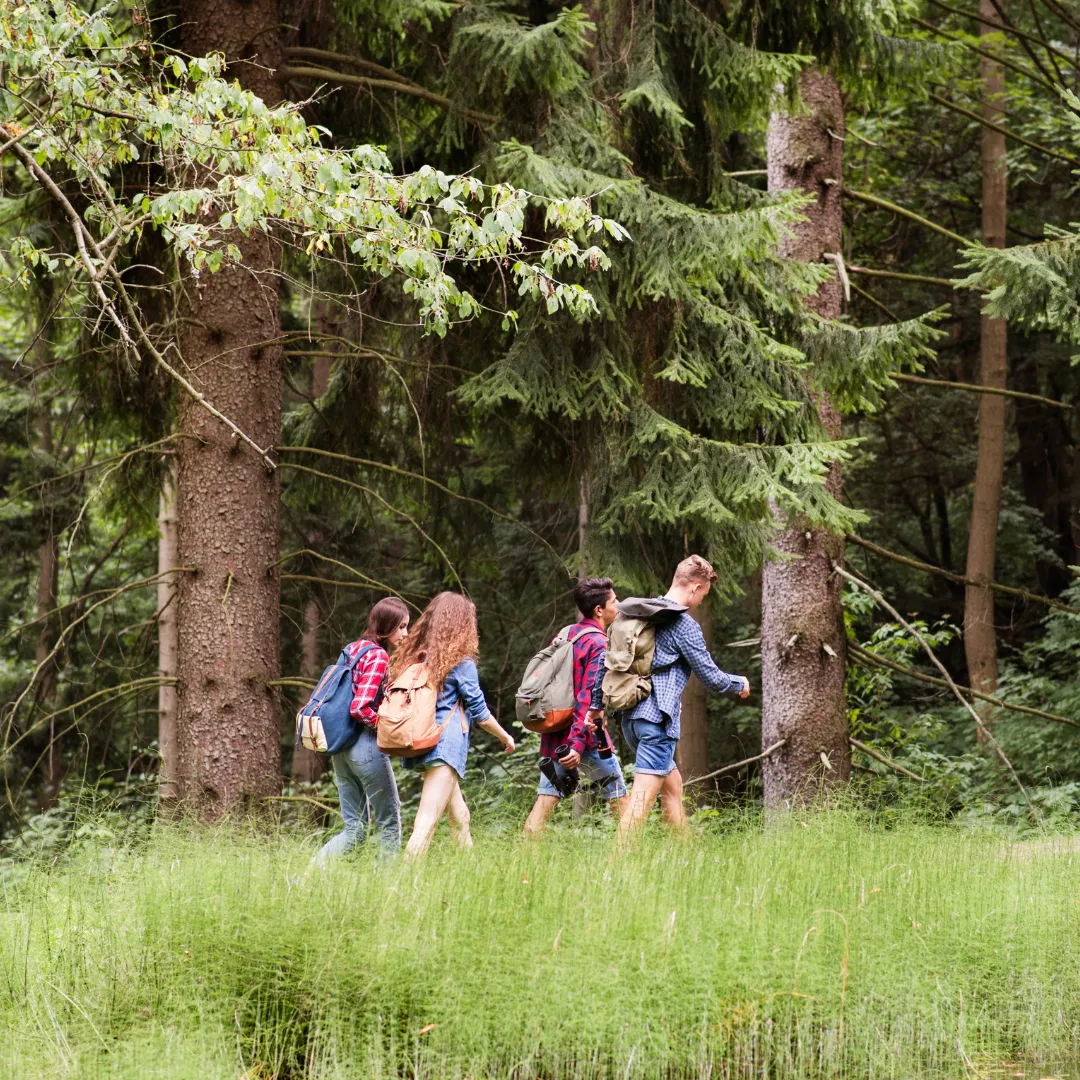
(819,949)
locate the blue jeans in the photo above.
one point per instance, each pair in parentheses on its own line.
(367,790)
(654,749)
(605,772)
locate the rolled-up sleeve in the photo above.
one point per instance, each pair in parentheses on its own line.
(691,643)
(466,680)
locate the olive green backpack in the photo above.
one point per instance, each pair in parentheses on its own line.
(630,647)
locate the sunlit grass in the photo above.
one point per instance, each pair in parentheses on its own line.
(823,948)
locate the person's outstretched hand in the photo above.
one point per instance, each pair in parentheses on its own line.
(509,746)
(745,691)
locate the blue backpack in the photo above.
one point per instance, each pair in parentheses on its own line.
(325,724)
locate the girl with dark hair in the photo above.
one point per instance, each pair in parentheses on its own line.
(446,641)
(363,773)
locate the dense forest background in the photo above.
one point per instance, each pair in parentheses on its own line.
(505,453)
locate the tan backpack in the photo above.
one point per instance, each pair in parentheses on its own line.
(631,645)
(407,726)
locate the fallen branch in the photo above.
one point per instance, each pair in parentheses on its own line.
(879,599)
(737,765)
(878,756)
(873,659)
(975,388)
(959,579)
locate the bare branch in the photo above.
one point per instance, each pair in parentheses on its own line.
(878,598)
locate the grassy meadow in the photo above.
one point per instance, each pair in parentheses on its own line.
(822,948)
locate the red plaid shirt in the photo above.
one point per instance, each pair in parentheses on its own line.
(367,681)
(589,652)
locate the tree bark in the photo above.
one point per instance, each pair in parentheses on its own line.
(228,729)
(692,753)
(980,638)
(802,631)
(166,602)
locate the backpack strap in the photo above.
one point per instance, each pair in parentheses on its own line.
(351,662)
(587,630)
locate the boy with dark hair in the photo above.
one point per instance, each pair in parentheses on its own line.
(651,727)
(595,600)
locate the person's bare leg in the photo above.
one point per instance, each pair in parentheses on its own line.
(439,784)
(457,813)
(619,805)
(642,797)
(538,815)
(671,800)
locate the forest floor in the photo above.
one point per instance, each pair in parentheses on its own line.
(828,947)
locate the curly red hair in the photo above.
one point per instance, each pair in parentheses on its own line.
(443,636)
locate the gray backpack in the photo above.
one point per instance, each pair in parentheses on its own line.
(545,698)
(630,648)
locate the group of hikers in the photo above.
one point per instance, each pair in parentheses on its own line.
(413,692)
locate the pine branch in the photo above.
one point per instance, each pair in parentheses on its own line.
(424,479)
(901,277)
(13,708)
(389,506)
(875,301)
(1002,130)
(959,579)
(328,75)
(975,388)
(1033,76)
(987,734)
(1059,10)
(349,569)
(118,691)
(327,57)
(884,204)
(868,657)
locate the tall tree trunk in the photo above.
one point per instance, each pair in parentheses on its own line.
(980,639)
(48,552)
(692,753)
(308,766)
(228,730)
(166,600)
(802,631)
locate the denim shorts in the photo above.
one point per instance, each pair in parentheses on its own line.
(654,750)
(606,773)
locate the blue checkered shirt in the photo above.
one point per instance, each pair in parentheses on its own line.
(680,651)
